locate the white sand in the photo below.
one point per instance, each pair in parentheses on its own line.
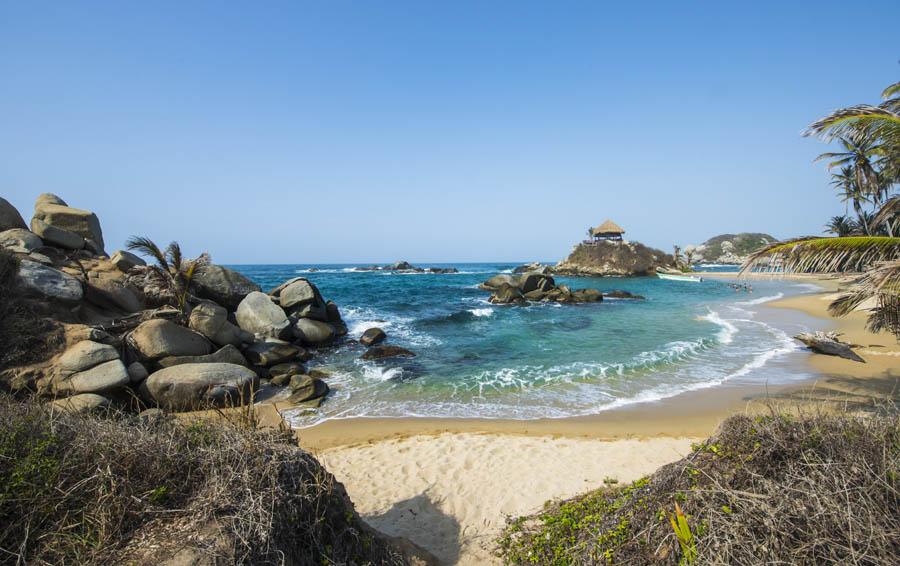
(450,493)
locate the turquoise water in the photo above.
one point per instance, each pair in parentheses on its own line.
(545,360)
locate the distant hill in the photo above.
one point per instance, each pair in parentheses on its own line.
(729,248)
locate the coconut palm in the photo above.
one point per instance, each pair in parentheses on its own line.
(848,187)
(840,225)
(880,122)
(877,256)
(858,158)
(173,272)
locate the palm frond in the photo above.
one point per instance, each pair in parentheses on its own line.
(878,121)
(147,247)
(823,255)
(888,211)
(891,91)
(881,284)
(173,252)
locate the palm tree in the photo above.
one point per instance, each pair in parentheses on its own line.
(840,225)
(173,272)
(846,183)
(881,122)
(877,256)
(860,151)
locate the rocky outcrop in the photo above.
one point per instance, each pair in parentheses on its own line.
(20,240)
(729,249)
(271,352)
(10,217)
(222,285)
(305,388)
(211,320)
(313,332)
(224,355)
(259,315)
(406,267)
(197,386)
(49,283)
(535,287)
(612,258)
(82,403)
(89,367)
(53,215)
(382,351)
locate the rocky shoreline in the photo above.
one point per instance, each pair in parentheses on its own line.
(539,286)
(175,335)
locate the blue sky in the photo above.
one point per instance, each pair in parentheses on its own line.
(469,131)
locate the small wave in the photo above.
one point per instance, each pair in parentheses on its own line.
(360,319)
(377,373)
(812,287)
(761,300)
(482,312)
(728,330)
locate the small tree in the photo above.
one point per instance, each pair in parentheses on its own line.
(172,271)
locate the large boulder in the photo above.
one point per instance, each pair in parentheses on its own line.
(159,338)
(82,403)
(257,314)
(20,240)
(535,281)
(82,222)
(124,261)
(197,386)
(271,352)
(56,236)
(302,299)
(313,332)
(372,336)
(211,320)
(49,283)
(107,376)
(112,295)
(222,285)
(85,355)
(506,294)
(305,388)
(498,281)
(225,355)
(381,352)
(9,216)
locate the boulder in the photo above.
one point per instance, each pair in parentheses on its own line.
(302,299)
(313,332)
(381,352)
(211,320)
(9,216)
(506,295)
(40,258)
(155,339)
(82,403)
(287,368)
(82,222)
(402,266)
(225,355)
(196,386)
(49,198)
(270,353)
(622,295)
(372,336)
(85,355)
(49,283)
(137,372)
(257,314)
(587,296)
(535,295)
(498,281)
(20,240)
(124,261)
(535,281)
(55,236)
(222,285)
(112,295)
(305,388)
(107,376)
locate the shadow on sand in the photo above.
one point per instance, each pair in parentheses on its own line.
(420,521)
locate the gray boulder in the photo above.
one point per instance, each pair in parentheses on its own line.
(302,299)
(286,369)
(372,336)
(381,352)
(49,198)
(124,261)
(313,332)
(535,281)
(107,376)
(306,388)
(498,281)
(20,240)
(82,403)
(82,222)
(225,355)
(257,314)
(49,283)
(9,216)
(197,386)
(159,338)
(271,352)
(506,295)
(211,320)
(222,285)
(112,295)
(55,236)
(137,372)
(85,355)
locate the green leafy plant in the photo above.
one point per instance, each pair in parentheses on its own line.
(684,535)
(172,271)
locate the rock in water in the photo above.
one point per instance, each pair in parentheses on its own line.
(222,285)
(49,283)
(306,388)
(506,295)
(827,343)
(313,332)
(9,216)
(198,386)
(158,338)
(372,336)
(381,352)
(612,258)
(257,314)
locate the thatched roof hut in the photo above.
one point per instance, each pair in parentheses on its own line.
(609,230)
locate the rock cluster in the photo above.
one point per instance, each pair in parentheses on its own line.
(730,249)
(406,267)
(535,287)
(613,258)
(126,344)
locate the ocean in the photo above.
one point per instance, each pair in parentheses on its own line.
(480,360)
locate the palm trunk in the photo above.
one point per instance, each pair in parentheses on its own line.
(862,219)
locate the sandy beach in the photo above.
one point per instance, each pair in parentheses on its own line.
(449,484)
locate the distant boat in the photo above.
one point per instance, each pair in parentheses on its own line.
(679,277)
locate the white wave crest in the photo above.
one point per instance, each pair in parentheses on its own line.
(482,312)
(728,330)
(761,300)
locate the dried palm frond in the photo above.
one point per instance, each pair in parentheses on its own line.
(148,247)
(881,283)
(889,211)
(823,255)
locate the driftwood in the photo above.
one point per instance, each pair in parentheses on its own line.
(828,343)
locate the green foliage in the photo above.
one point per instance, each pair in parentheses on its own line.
(684,535)
(172,271)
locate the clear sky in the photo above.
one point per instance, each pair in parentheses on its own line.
(267,132)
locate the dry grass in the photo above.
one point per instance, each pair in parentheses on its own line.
(118,489)
(764,490)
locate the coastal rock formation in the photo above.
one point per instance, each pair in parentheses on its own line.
(81,403)
(225,286)
(612,258)
(10,217)
(211,320)
(159,338)
(124,261)
(730,249)
(828,344)
(305,388)
(406,267)
(259,315)
(535,287)
(372,336)
(382,351)
(52,214)
(20,240)
(313,332)
(49,283)
(224,355)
